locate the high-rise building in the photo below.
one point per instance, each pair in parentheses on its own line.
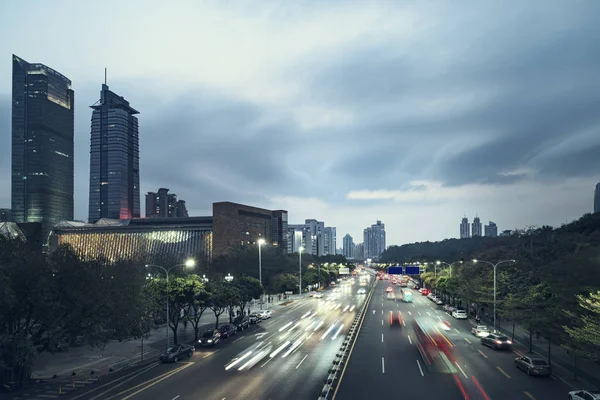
(476,227)
(299,236)
(359,251)
(348,246)
(597,198)
(317,230)
(330,240)
(165,204)
(42,145)
(181,209)
(114,159)
(374,240)
(465,232)
(491,230)
(280,228)
(6,215)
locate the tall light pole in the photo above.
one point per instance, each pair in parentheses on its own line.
(229,278)
(448,265)
(187,264)
(300,266)
(260,242)
(494,266)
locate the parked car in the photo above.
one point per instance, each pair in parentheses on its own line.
(176,353)
(459,314)
(227,330)
(241,322)
(496,341)
(584,395)
(533,366)
(209,338)
(254,318)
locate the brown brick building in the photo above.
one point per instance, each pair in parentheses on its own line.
(238,224)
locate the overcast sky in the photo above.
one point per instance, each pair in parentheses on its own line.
(415,113)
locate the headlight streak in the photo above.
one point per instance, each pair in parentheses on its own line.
(280,348)
(233,364)
(283,328)
(328,330)
(338,332)
(294,347)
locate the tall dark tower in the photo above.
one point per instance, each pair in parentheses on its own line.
(114,159)
(42,145)
(597,198)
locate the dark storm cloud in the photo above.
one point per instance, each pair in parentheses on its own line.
(520,87)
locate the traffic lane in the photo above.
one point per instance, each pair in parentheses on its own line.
(383,354)
(215,380)
(496,369)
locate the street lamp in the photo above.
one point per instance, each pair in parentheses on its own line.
(189,263)
(494,266)
(260,242)
(229,278)
(204,279)
(448,265)
(300,265)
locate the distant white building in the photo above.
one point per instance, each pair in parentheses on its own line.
(476,227)
(465,232)
(491,230)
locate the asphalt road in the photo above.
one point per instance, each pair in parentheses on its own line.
(308,334)
(385,360)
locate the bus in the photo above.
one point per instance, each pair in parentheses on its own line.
(407,296)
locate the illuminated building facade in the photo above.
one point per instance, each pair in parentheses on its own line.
(114,159)
(147,240)
(42,145)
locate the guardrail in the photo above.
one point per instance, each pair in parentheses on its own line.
(342,356)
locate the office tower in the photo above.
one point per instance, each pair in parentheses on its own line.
(161,203)
(181,209)
(6,215)
(359,251)
(330,240)
(464,229)
(491,230)
(374,240)
(476,227)
(42,145)
(348,244)
(114,159)
(597,198)
(317,229)
(280,229)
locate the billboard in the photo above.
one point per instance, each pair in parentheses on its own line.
(412,270)
(344,271)
(397,270)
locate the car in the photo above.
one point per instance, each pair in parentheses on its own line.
(254,318)
(459,314)
(496,341)
(533,366)
(318,295)
(438,301)
(390,296)
(389,289)
(361,291)
(176,353)
(209,338)
(242,322)
(265,314)
(480,331)
(395,318)
(227,330)
(425,291)
(584,395)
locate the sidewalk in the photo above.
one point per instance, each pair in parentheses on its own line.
(576,371)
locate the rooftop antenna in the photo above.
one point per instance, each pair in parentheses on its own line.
(105,75)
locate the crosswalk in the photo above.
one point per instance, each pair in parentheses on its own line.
(53,390)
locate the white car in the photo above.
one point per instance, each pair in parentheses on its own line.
(459,314)
(438,301)
(480,331)
(318,295)
(361,291)
(265,314)
(584,395)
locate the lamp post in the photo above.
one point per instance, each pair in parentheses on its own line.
(204,279)
(448,265)
(494,266)
(229,278)
(187,264)
(300,266)
(260,242)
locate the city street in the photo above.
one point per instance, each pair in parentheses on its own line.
(284,357)
(385,360)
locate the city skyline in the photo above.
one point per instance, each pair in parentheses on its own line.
(500,173)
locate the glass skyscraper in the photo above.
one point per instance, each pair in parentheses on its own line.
(114,159)
(42,145)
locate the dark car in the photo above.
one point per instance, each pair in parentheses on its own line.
(227,330)
(533,366)
(209,338)
(255,318)
(241,323)
(176,353)
(497,342)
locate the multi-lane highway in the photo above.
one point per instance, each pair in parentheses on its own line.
(285,357)
(385,361)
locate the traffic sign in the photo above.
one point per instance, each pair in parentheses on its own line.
(397,270)
(344,271)
(412,270)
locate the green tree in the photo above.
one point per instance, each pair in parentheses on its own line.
(284,283)
(586,337)
(199,301)
(249,289)
(219,300)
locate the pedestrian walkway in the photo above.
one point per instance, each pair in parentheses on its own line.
(576,371)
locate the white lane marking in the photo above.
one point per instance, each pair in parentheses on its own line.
(414,305)
(269,360)
(482,353)
(461,370)
(381,322)
(419,312)
(175,398)
(409,340)
(428,313)
(403,323)
(382,365)
(373,311)
(409,313)
(270,336)
(237,340)
(420,369)
(300,363)
(381,312)
(210,354)
(261,334)
(382,338)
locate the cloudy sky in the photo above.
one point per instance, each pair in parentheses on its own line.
(415,113)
